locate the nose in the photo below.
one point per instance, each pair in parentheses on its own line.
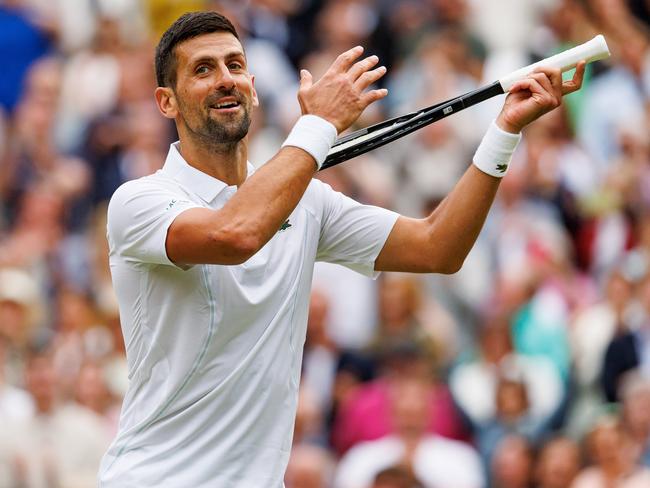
(225,80)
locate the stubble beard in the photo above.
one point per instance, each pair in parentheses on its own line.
(220,135)
(230,132)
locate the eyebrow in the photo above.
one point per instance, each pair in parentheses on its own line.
(210,59)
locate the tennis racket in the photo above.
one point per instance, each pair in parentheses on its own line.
(377,135)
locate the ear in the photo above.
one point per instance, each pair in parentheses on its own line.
(166,101)
(256,101)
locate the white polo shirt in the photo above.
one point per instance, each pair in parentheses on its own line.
(214,352)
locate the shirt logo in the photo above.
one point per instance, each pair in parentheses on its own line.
(501,168)
(171,204)
(285,226)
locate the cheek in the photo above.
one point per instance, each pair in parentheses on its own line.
(191,96)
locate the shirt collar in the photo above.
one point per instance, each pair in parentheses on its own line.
(196,181)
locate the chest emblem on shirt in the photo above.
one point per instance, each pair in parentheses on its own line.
(285,226)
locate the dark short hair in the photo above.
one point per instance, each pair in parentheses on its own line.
(187,26)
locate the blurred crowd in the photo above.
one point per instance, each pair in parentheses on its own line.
(528,368)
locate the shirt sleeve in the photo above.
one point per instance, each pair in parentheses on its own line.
(139,215)
(352,234)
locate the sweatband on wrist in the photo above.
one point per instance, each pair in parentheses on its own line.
(494,153)
(314,135)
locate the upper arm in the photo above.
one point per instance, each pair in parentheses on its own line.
(201,236)
(414,247)
(150,223)
(403,250)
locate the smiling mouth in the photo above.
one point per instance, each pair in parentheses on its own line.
(225,105)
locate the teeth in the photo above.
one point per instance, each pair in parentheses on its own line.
(227,104)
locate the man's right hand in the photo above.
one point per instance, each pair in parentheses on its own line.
(340,95)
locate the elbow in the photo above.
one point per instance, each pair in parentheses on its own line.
(449,269)
(448,266)
(452,267)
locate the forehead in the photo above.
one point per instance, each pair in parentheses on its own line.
(214,45)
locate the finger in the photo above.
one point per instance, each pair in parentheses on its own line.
(362,66)
(369,77)
(343,62)
(547,85)
(536,90)
(543,80)
(306,79)
(529,84)
(575,83)
(555,76)
(372,96)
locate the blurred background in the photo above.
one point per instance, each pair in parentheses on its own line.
(528,368)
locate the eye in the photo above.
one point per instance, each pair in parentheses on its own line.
(202,69)
(235,65)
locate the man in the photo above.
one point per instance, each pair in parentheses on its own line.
(435,461)
(212,263)
(629,349)
(60,444)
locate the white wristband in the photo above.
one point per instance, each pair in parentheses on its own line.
(494,153)
(314,135)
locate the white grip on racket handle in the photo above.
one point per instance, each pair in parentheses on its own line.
(590,51)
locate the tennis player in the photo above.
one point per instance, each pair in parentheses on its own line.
(212,261)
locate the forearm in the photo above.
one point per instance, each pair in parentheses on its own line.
(252,216)
(267,198)
(458,220)
(440,242)
(455,224)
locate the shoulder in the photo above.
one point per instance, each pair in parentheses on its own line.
(141,186)
(319,190)
(137,197)
(387,446)
(449,448)
(318,197)
(439,458)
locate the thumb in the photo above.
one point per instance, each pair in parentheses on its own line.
(306,79)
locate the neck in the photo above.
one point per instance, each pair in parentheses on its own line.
(224,161)
(44,406)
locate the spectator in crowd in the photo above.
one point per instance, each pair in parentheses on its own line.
(591,331)
(406,316)
(434,460)
(321,355)
(635,416)
(395,477)
(23,39)
(62,444)
(21,313)
(628,349)
(512,463)
(15,402)
(474,384)
(32,157)
(309,467)
(512,417)
(614,460)
(92,392)
(558,463)
(367,413)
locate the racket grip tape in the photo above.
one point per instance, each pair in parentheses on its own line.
(593,50)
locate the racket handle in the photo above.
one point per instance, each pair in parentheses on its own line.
(590,51)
